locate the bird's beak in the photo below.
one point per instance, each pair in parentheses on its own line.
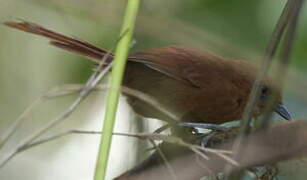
(283,112)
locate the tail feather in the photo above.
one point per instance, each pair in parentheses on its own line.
(61,41)
(80,51)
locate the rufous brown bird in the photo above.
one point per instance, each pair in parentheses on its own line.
(196,86)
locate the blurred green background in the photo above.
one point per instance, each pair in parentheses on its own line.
(29,67)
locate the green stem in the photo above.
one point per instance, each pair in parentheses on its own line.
(121,55)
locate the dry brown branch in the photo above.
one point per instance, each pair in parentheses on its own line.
(281,142)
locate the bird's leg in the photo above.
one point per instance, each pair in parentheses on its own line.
(210,126)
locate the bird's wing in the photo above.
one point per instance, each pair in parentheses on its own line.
(181,63)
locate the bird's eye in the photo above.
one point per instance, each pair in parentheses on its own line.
(264,92)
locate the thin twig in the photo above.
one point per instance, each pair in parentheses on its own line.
(201,154)
(143,136)
(203,165)
(75,88)
(287,17)
(220,153)
(79,88)
(94,79)
(167,164)
(266,62)
(284,61)
(90,84)
(84,93)
(162,128)
(264,68)
(195,148)
(19,121)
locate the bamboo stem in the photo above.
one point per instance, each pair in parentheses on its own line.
(121,55)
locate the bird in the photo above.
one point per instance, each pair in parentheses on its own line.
(197,86)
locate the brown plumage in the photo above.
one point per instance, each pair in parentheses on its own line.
(196,86)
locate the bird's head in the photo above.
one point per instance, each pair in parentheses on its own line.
(268,90)
(245,78)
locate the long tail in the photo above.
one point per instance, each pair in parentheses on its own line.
(81,48)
